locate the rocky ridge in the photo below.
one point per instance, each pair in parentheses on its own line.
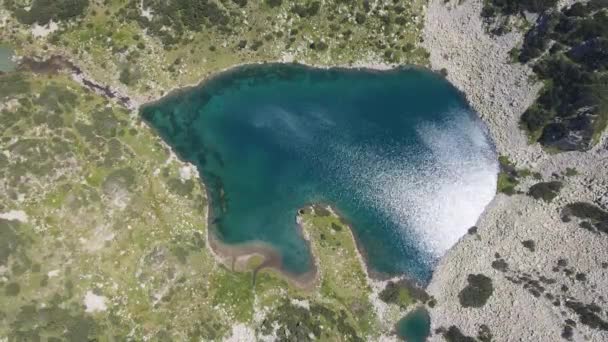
(548,278)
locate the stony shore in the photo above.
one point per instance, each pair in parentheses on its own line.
(534,296)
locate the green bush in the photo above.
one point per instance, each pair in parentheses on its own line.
(403,293)
(274,3)
(321,211)
(319,45)
(455,335)
(128,76)
(12,289)
(508,177)
(546,191)
(308,10)
(484,334)
(592,217)
(12,84)
(43,11)
(529,244)
(568,51)
(477,292)
(180,16)
(506,184)
(240,3)
(360,18)
(512,7)
(585,210)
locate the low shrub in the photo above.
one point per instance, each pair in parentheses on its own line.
(477,292)
(529,244)
(403,293)
(546,191)
(43,11)
(592,217)
(453,334)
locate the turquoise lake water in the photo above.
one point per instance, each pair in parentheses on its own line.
(6,62)
(398,153)
(415,326)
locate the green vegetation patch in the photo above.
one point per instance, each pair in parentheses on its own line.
(298,323)
(12,289)
(477,292)
(11,241)
(484,334)
(529,244)
(342,274)
(509,175)
(491,8)
(546,191)
(321,210)
(592,217)
(571,172)
(74,240)
(453,334)
(12,84)
(43,11)
(403,293)
(121,179)
(589,314)
(506,183)
(55,323)
(567,51)
(181,187)
(497,13)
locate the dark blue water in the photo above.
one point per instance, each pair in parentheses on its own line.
(399,154)
(415,326)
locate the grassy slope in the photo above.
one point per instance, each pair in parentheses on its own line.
(108,213)
(104,41)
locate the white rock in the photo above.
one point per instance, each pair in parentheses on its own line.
(94,303)
(185,173)
(39,31)
(241,333)
(17,215)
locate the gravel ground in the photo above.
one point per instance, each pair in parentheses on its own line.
(533,299)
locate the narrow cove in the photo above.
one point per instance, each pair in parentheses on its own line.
(399,154)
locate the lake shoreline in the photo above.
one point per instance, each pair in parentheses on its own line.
(369,67)
(232,252)
(236,256)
